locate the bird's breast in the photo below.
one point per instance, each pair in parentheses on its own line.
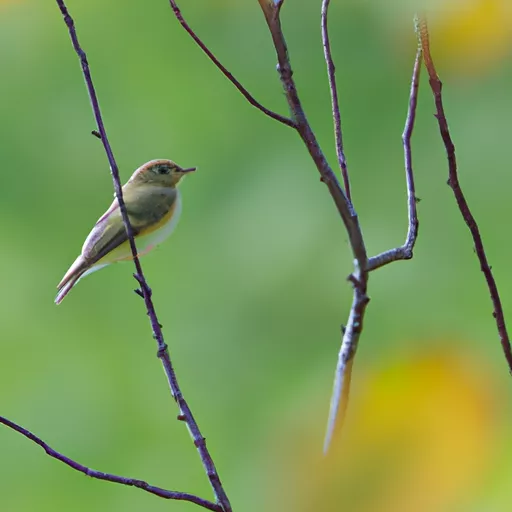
(160,230)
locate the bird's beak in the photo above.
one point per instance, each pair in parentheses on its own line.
(190,169)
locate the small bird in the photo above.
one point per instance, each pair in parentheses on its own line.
(153,204)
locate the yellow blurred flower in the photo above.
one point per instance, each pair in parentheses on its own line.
(472,34)
(419,436)
(467,36)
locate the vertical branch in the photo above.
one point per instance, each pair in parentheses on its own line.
(163,352)
(342,377)
(412,232)
(453,181)
(331,73)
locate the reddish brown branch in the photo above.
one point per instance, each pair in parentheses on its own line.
(108,477)
(453,181)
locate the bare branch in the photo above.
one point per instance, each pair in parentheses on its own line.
(331,73)
(247,95)
(453,181)
(99,475)
(405,252)
(163,352)
(359,277)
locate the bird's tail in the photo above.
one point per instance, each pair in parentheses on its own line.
(73,275)
(66,288)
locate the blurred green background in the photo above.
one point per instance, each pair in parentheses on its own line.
(251,288)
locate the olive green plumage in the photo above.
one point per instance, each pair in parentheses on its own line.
(153,204)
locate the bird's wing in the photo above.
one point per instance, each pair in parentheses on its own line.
(108,234)
(145,209)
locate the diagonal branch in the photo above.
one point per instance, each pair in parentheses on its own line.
(163,353)
(247,95)
(271,11)
(99,475)
(331,73)
(453,181)
(405,252)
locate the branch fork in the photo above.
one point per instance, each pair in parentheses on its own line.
(341,196)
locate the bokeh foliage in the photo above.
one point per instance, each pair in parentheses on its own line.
(251,288)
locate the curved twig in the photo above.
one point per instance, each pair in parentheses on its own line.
(108,477)
(405,252)
(247,95)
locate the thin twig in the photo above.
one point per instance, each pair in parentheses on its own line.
(331,73)
(163,353)
(99,475)
(453,181)
(247,95)
(405,252)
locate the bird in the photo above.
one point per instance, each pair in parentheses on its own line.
(153,205)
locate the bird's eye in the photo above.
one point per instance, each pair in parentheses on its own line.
(163,169)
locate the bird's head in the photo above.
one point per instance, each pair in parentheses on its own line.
(160,172)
